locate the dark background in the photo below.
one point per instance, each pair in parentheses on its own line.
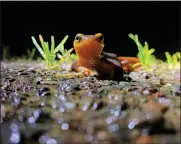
(158,23)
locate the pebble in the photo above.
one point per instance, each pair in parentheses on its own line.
(153,106)
(69,105)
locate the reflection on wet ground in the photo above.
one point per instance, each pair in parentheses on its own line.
(36,107)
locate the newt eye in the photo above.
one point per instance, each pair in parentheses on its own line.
(100,37)
(78,37)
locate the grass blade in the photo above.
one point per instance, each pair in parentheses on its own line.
(52,44)
(47,51)
(146,46)
(32,53)
(139,45)
(149,52)
(178,55)
(38,47)
(59,55)
(136,40)
(59,47)
(62,50)
(141,58)
(169,57)
(175,58)
(66,54)
(42,42)
(45,48)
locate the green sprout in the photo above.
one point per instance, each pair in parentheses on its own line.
(49,52)
(6,53)
(145,54)
(29,54)
(172,60)
(66,54)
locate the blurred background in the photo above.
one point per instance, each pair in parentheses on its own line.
(158,23)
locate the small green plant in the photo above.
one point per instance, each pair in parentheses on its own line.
(50,54)
(29,54)
(145,54)
(66,55)
(172,60)
(5,53)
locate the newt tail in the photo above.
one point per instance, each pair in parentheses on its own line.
(130,64)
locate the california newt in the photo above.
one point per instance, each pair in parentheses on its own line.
(93,61)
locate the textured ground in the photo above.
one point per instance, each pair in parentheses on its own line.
(37,107)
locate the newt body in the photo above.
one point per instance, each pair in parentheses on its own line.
(93,61)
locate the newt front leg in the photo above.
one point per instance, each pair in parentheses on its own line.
(87,72)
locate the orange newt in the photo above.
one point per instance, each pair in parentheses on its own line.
(93,61)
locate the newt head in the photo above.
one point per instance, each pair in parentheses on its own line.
(88,46)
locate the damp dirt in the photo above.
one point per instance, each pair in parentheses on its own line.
(39,107)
